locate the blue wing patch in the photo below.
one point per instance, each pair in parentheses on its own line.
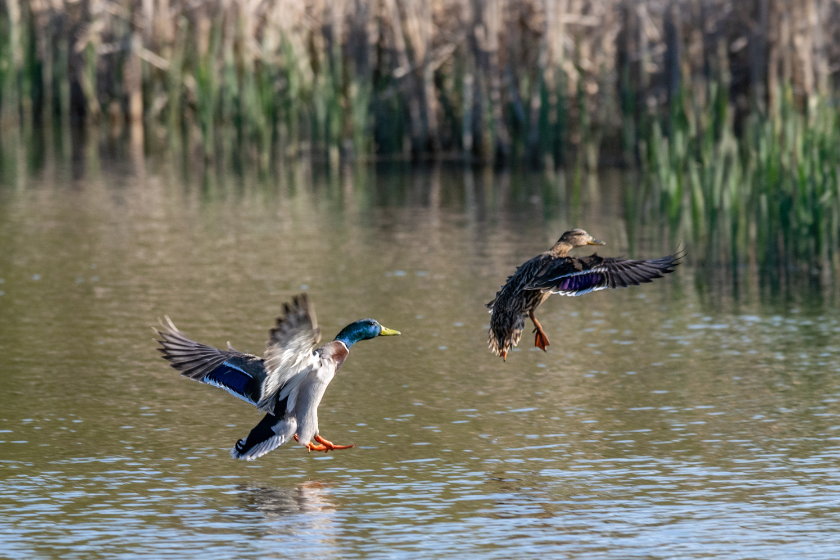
(230,378)
(580,284)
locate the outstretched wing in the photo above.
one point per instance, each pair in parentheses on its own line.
(289,348)
(575,277)
(238,373)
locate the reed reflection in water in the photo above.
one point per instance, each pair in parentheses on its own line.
(694,418)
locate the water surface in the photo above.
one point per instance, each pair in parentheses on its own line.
(690,418)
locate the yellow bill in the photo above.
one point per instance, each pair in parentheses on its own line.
(388,332)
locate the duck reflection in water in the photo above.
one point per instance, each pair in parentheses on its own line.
(305,510)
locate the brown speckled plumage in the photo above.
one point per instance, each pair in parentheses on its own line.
(554,272)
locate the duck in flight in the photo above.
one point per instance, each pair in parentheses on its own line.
(555,272)
(287,383)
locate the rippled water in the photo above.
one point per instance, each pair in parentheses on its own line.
(685,418)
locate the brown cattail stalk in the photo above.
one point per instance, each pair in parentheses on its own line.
(489,77)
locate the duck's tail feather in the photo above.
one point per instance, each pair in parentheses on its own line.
(505,332)
(268,435)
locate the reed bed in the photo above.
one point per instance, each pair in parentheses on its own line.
(730,109)
(769,195)
(543,81)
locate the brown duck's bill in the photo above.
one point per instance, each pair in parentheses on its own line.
(596,242)
(388,332)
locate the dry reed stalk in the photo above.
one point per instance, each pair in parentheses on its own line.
(405,70)
(543,78)
(13,63)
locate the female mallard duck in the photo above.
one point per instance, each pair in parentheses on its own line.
(554,272)
(287,383)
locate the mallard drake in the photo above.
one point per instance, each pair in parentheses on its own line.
(287,383)
(554,272)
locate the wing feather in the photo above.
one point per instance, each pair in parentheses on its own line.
(289,348)
(236,372)
(575,277)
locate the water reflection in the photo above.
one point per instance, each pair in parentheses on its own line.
(707,405)
(306,511)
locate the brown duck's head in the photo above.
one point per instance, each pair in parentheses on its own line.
(574,238)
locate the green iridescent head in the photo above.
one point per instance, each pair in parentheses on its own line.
(363,329)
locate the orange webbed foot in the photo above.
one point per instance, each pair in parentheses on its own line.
(326,445)
(541,340)
(330,445)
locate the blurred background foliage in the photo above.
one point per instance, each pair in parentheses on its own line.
(727,110)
